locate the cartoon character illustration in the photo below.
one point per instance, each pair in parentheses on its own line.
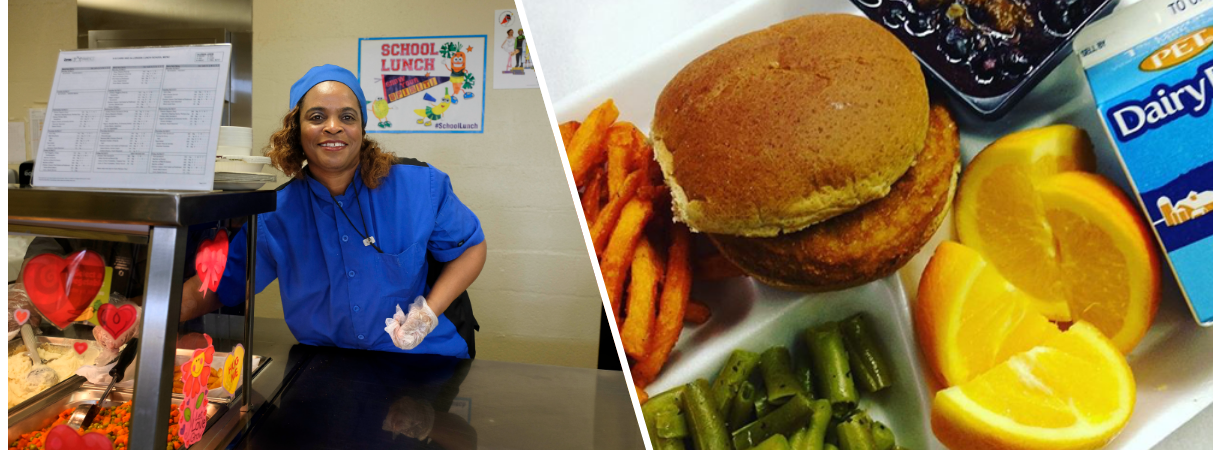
(509,39)
(519,45)
(461,78)
(380,109)
(433,112)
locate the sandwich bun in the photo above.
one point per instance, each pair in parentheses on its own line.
(789,126)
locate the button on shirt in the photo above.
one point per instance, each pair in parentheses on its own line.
(337,291)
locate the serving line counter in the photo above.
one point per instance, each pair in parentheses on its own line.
(159,220)
(322,397)
(314,397)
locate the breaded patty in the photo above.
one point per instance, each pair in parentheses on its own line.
(870,242)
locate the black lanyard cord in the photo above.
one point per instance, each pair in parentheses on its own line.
(367,239)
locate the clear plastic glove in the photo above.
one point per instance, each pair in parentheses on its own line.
(100,374)
(410,417)
(408,330)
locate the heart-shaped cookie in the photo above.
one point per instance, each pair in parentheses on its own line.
(116,319)
(21,315)
(61,288)
(63,437)
(211,260)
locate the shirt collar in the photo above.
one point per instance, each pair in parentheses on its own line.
(322,192)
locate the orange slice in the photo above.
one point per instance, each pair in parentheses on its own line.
(969,318)
(1070,240)
(1074,391)
(1110,268)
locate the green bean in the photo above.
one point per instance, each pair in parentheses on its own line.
(785,420)
(854,435)
(741,411)
(706,425)
(776,442)
(798,439)
(737,369)
(819,423)
(831,447)
(805,376)
(670,400)
(762,407)
(776,366)
(671,424)
(832,431)
(883,437)
(872,369)
(861,417)
(833,372)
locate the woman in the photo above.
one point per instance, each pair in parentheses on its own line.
(354,235)
(509,39)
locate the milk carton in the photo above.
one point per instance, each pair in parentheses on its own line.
(1150,66)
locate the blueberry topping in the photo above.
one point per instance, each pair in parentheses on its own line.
(897,15)
(921,24)
(1014,63)
(957,45)
(985,67)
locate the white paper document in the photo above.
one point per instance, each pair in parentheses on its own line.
(16,142)
(140,118)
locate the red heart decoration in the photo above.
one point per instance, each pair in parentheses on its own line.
(80,347)
(61,288)
(63,437)
(116,319)
(211,260)
(21,315)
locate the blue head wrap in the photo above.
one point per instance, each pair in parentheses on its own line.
(328,72)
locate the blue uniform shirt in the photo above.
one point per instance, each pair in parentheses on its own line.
(336,291)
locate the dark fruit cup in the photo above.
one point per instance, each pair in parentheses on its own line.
(987,71)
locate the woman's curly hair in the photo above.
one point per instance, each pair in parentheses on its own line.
(286,152)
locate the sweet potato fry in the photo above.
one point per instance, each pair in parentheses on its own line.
(608,216)
(566,132)
(716,267)
(591,199)
(586,148)
(642,300)
(641,395)
(621,149)
(644,153)
(697,313)
(622,246)
(673,304)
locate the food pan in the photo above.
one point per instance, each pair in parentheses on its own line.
(36,419)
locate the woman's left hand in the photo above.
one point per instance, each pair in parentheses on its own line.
(407,331)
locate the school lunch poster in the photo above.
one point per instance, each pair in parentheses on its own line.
(512,67)
(432,84)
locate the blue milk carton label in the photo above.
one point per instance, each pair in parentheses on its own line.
(1150,66)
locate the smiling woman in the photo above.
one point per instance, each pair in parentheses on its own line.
(403,212)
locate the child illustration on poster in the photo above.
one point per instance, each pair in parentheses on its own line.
(512,64)
(424,84)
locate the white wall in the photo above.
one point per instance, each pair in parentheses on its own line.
(37,30)
(537,300)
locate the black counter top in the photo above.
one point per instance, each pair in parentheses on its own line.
(331,398)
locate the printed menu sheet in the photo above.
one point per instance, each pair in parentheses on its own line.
(139,118)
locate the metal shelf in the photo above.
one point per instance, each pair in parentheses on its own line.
(135,207)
